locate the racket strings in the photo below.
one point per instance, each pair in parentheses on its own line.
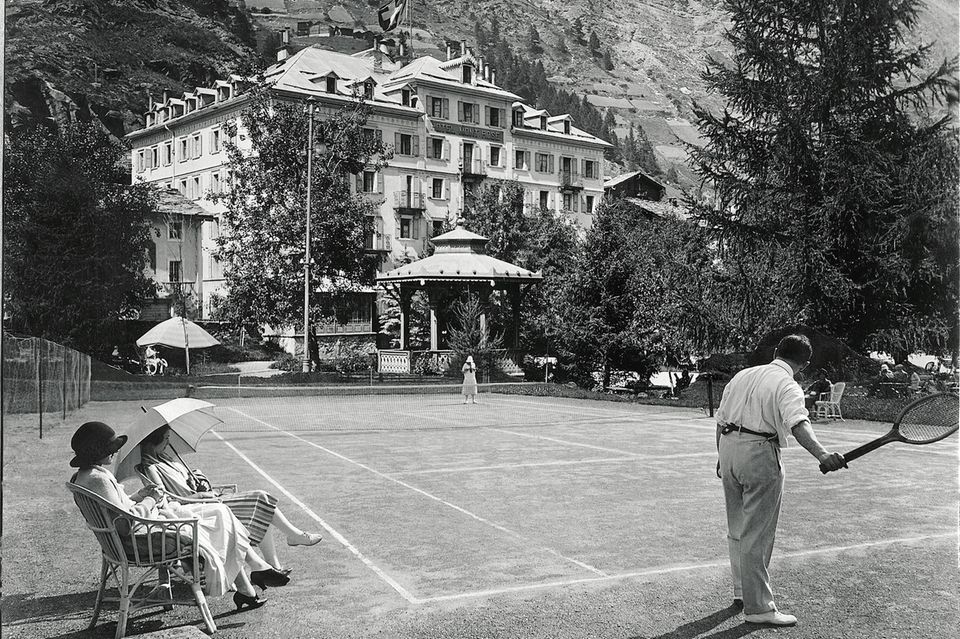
(931,420)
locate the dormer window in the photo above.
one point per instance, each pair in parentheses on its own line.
(518,119)
(543,123)
(368,90)
(405,97)
(566,127)
(331,84)
(467,74)
(150,119)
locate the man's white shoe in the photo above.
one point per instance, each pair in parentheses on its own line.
(773,618)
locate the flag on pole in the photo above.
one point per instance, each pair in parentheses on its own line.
(391,13)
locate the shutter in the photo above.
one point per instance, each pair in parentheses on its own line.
(486,115)
(416,145)
(503,117)
(429,150)
(415,228)
(526,160)
(446,108)
(446,150)
(378,225)
(576,203)
(583,167)
(550,199)
(443,190)
(378,181)
(459,111)
(550,163)
(476,113)
(461,152)
(429,100)
(199,146)
(396,143)
(573,166)
(360,182)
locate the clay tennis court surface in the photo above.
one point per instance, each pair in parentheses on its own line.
(517,517)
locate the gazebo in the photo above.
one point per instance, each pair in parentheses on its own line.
(458,264)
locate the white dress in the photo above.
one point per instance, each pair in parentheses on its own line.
(223,541)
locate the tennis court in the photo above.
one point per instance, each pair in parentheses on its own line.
(549,517)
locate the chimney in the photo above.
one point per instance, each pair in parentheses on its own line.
(463,47)
(166,96)
(493,77)
(377,56)
(448,51)
(284,51)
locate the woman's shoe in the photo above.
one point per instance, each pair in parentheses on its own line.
(242,600)
(268,578)
(304,539)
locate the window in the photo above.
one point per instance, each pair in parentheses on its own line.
(406,144)
(543,122)
(194,191)
(154,157)
(182,150)
(175,228)
(406,227)
(544,199)
(436,189)
(182,187)
(518,119)
(405,97)
(331,84)
(167,153)
(368,90)
(369,181)
(215,183)
(467,74)
(519,159)
(468,112)
(173,271)
(544,163)
(589,169)
(566,127)
(215,141)
(495,153)
(568,201)
(435,148)
(494,117)
(372,134)
(437,228)
(197,146)
(141,160)
(589,209)
(440,108)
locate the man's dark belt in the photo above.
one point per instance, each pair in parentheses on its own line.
(734,428)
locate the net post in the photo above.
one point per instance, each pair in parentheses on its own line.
(40,383)
(63,383)
(710,392)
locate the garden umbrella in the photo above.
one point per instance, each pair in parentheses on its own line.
(189,419)
(178,332)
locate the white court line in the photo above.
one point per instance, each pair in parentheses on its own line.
(426,494)
(336,535)
(671,569)
(566,442)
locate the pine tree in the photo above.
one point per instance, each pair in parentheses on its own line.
(594,44)
(607,61)
(562,47)
(533,40)
(576,31)
(823,169)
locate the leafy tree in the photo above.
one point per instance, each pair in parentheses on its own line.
(76,235)
(576,30)
(262,245)
(495,210)
(594,44)
(827,166)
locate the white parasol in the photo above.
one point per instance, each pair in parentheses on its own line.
(178,332)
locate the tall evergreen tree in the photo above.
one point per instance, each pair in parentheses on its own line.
(821,166)
(594,44)
(607,60)
(576,30)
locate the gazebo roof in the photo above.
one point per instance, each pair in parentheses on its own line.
(459,258)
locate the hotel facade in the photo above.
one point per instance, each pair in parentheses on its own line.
(451,128)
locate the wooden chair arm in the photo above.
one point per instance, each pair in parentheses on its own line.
(226,488)
(150,541)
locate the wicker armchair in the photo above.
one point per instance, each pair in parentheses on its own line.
(141,555)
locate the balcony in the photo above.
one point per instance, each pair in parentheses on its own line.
(569,181)
(409,202)
(176,289)
(378,243)
(473,169)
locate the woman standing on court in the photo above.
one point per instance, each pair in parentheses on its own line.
(469,371)
(257,510)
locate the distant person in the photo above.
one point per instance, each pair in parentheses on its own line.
(257,510)
(469,371)
(683,382)
(900,374)
(760,408)
(314,351)
(914,386)
(821,385)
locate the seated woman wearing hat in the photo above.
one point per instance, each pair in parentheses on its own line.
(223,541)
(256,509)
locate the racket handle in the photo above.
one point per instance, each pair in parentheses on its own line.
(863,450)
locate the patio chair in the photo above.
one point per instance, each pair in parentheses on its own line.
(828,406)
(156,548)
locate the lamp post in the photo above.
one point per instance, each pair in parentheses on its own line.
(311,103)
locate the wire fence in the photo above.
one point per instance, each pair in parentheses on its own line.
(40,376)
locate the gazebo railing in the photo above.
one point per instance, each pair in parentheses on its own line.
(398,361)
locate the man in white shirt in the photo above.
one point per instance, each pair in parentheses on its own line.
(760,408)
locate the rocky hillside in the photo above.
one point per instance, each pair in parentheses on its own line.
(101,60)
(108,56)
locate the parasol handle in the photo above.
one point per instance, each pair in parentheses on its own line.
(196,481)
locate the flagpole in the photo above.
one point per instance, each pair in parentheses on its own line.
(410,27)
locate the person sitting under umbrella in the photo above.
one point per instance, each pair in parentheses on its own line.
(223,541)
(256,509)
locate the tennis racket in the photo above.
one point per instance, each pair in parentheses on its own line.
(924,421)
